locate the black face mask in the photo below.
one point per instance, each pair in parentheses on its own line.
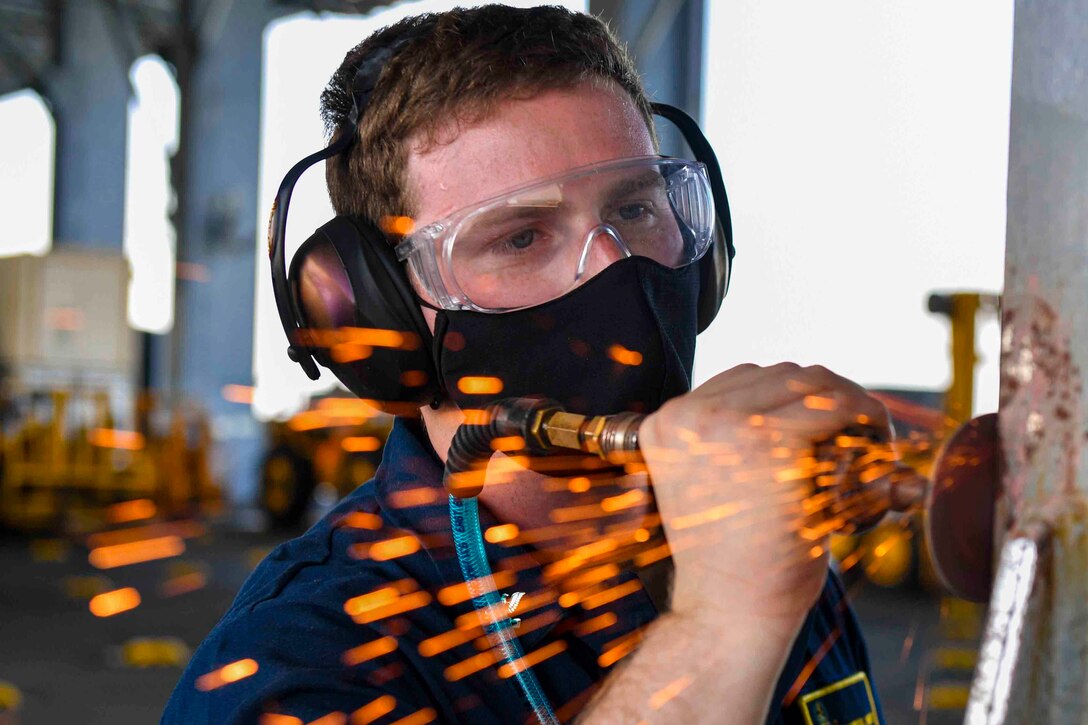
(624,341)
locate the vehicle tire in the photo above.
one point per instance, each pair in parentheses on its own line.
(287,486)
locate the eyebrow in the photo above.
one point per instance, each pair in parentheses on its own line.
(631,184)
(503,216)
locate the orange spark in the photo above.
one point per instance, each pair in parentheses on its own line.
(128,440)
(109,557)
(136,534)
(819,402)
(369,651)
(642,536)
(579,484)
(226,674)
(603,621)
(108,604)
(373,710)
(394,339)
(810,667)
(348,407)
(419,717)
(669,691)
(620,648)
(393,548)
(508,443)
(237,394)
(532,659)
(612,594)
(501,533)
(183,584)
(461,592)
(126,511)
(413,378)
(361,444)
(271,718)
(623,501)
(655,554)
(623,356)
(367,602)
(446,641)
(361,520)
(411,497)
(593,576)
(308,420)
(476,416)
(534,623)
(344,352)
(399,605)
(400,226)
(467,667)
(479,385)
(717,513)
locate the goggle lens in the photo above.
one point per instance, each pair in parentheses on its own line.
(535,244)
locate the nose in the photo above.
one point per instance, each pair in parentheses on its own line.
(603,247)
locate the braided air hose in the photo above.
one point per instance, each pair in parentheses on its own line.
(470,451)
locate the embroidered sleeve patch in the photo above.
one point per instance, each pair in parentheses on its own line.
(847,702)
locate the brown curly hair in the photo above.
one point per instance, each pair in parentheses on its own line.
(456,67)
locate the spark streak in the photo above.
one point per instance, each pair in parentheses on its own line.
(108,604)
(227,674)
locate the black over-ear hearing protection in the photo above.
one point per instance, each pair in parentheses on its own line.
(347,302)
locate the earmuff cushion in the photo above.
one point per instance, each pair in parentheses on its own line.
(383,301)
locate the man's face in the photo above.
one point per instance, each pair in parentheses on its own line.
(521,142)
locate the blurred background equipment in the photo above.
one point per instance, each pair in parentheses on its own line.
(66,466)
(324,451)
(77,436)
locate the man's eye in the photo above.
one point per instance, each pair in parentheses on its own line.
(519,241)
(632,212)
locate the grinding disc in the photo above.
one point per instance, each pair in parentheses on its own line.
(959,522)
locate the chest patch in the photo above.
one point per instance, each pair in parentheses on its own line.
(846,702)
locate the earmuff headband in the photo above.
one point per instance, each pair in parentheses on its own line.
(704,152)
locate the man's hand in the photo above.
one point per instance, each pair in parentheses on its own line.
(732,465)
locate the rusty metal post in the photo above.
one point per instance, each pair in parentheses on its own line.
(1034,663)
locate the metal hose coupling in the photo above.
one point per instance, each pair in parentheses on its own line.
(544,427)
(613,438)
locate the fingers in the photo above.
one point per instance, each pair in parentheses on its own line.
(829,413)
(741,376)
(797,396)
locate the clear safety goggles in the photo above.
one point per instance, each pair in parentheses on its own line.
(538,242)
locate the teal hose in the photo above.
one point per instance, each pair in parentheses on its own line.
(468,540)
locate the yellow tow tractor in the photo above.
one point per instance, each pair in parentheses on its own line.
(64,462)
(333,446)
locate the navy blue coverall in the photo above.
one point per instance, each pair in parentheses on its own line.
(338,622)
